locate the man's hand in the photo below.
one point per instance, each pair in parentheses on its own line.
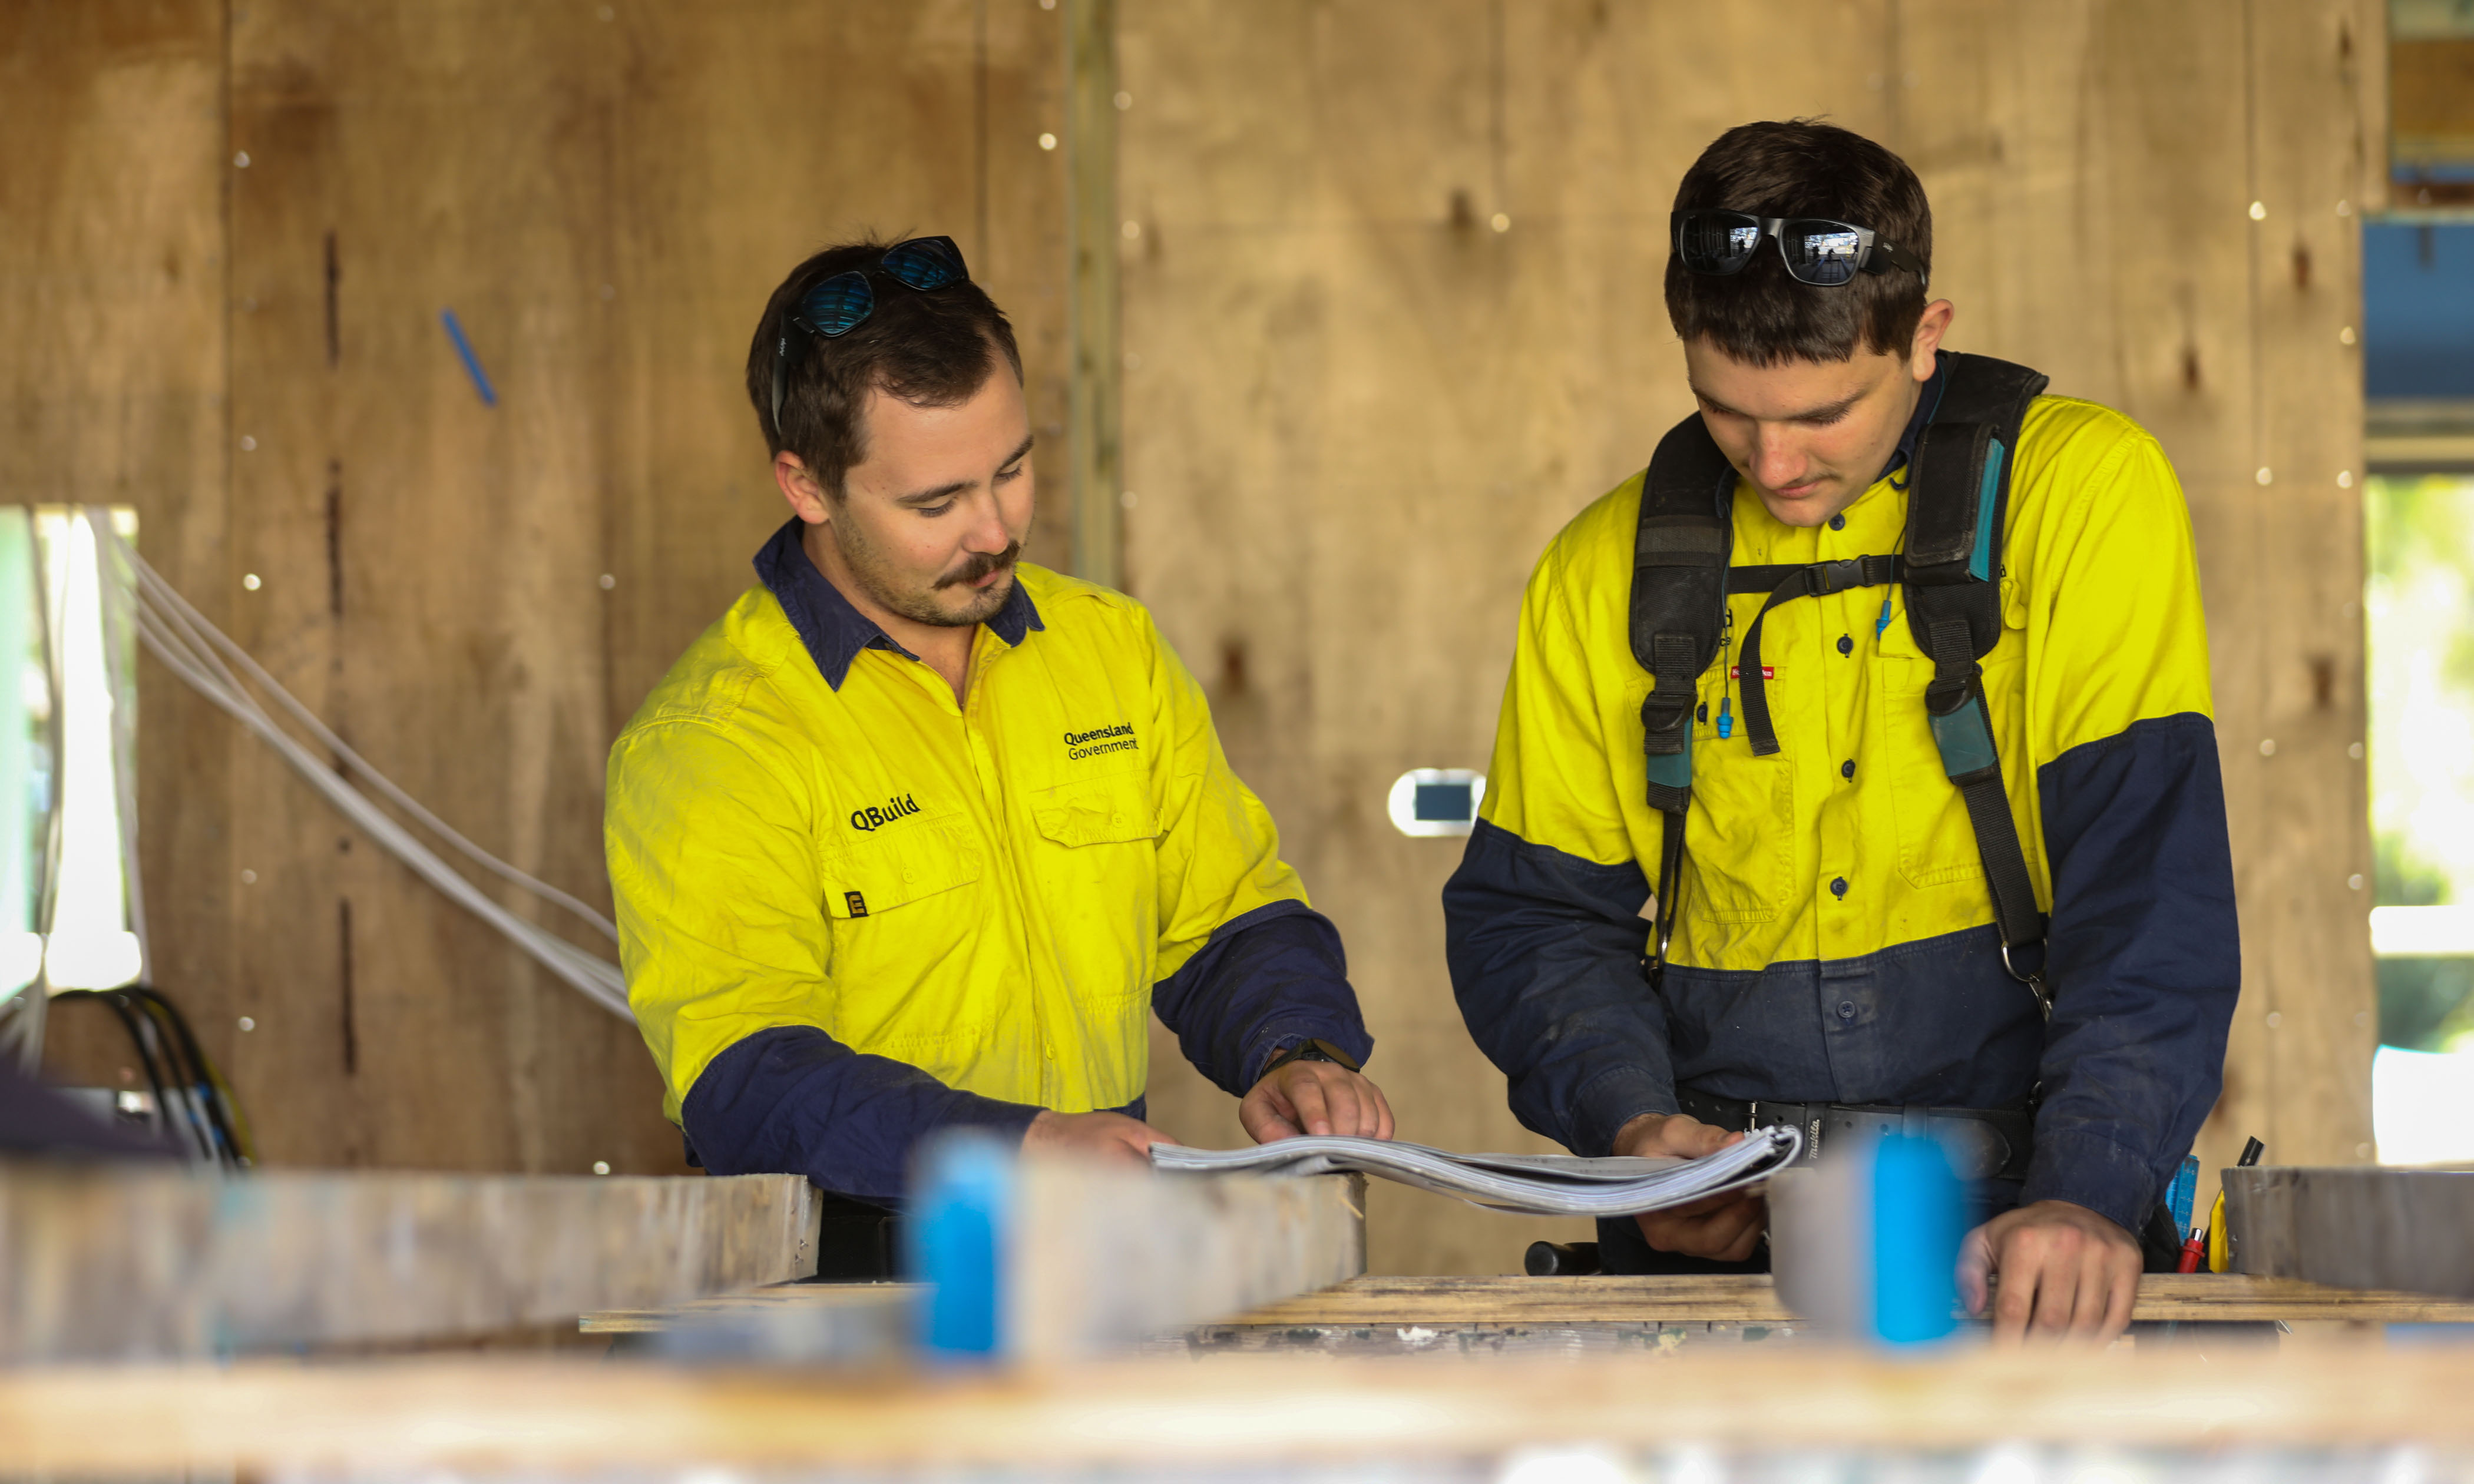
(1105,1136)
(2064,1271)
(1314,1097)
(1725,1228)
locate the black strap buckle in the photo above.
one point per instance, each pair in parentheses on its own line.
(1838,576)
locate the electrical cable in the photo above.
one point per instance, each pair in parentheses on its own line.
(211,1094)
(190,646)
(193,1100)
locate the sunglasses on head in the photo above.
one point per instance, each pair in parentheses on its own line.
(1816,250)
(835,306)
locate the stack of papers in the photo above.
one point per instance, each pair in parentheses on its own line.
(1543,1185)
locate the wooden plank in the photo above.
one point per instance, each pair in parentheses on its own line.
(2401,1229)
(1444,1301)
(1097,1257)
(1096,444)
(1454,1302)
(1264,1416)
(108,1264)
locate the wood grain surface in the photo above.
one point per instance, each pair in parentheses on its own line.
(1451,1303)
(107,1263)
(625,1417)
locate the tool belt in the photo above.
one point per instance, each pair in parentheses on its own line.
(1985,1143)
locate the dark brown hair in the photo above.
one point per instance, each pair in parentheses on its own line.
(1761,316)
(931,348)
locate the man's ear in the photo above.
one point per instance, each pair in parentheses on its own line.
(1929,330)
(799,487)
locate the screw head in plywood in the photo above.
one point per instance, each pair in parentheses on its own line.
(1124,101)
(2268,747)
(1048,141)
(2266,476)
(1500,223)
(2346,335)
(2259,211)
(247,1023)
(601,1166)
(2354,751)
(608,581)
(240,162)
(2354,882)
(249,583)
(2344,479)
(2275,1018)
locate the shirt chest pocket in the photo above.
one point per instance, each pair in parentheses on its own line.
(1936,841)
(1098,874)
(908,864)
(1741,833)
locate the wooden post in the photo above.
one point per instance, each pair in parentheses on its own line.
(1095,440)
(125,1264)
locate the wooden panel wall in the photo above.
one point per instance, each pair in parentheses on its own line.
(1394,316)
(477,596)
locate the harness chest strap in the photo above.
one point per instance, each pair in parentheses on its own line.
(1958,497)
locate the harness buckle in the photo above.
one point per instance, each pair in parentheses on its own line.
(1837,576)
(2035,983)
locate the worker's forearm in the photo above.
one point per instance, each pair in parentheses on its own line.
(1545,949)
(792,1100)
(1270,980)
(2145,963)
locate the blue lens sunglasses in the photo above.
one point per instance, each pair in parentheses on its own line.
(835,306)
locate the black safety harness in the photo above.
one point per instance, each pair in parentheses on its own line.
(1959,485)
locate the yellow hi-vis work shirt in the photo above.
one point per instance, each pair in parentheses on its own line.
(1834,940)
(985,892)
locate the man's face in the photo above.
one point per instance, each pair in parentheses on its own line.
(1812,435)
(930,524)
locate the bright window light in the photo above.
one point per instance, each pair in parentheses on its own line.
(2420,604)
(92,942)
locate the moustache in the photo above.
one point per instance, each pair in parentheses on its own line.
(980,566)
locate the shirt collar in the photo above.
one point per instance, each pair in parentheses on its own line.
(832,630)
(1927,403)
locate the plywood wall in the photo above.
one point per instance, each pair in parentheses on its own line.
(247,221)
(1393,315)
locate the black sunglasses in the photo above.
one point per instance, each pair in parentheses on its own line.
(1816,250)
(835,306)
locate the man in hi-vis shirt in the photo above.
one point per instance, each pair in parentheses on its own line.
(918,836)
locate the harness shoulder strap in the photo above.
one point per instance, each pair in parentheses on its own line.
(1957,503)
(1678,616)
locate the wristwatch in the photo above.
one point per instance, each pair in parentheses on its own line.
(1311,1050)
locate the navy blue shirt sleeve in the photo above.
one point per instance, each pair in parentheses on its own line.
(1545,949)
(794,1101)
(2145,958)
(1268,980)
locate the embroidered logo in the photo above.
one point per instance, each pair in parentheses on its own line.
(876,817)
(1118,738)
(858,904)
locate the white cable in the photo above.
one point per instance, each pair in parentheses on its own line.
(209,638)
(180,637)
